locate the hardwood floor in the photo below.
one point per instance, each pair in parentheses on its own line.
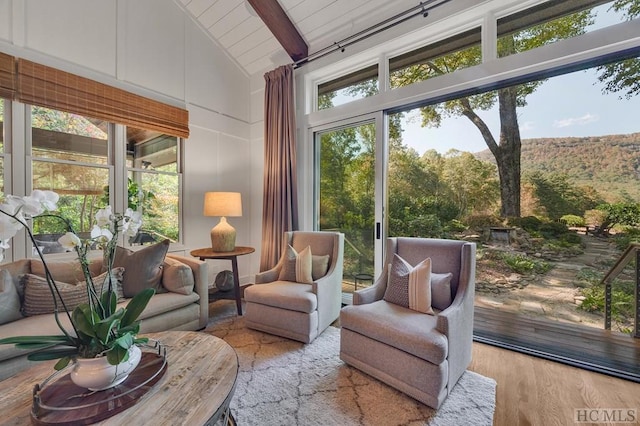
(531,390)
(590,348)
(538,392)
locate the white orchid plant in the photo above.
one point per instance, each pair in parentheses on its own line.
(100,328)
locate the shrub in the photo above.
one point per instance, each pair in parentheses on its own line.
(571,238)
(553,229)
(483,221)
(522,264)
(572,220)
(595,217)
(587,277)
(622,295)
(455,226)
(426,226)
(530,224)
(630,235)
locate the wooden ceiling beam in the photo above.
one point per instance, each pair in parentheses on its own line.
(276,19)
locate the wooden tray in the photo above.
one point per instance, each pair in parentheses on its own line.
(60,402)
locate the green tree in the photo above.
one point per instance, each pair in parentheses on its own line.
(623,76)
(337,151)
(506,147)
(619,214)
(473,183)
(414,189)
(559,197)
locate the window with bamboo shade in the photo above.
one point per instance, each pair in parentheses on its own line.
(41,85)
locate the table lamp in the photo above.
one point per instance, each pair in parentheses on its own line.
(223,235)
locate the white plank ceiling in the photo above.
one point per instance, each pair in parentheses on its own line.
(236,28)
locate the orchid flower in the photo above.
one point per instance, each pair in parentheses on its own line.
(101,235)
(39,202)
(15,208)
(9,226)
(131,223)
(104,217)
(69,241)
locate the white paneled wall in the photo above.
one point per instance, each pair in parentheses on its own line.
(80,32)
(153,34)
(153,48)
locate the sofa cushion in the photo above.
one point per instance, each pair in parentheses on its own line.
(409,286)
(397,326)
(143,268)
(165,302)
(37,295)
(297,266)
(319,266)
(66,271)
(441,290)
(9,299)
(177,277)
(36,325)
(283,294)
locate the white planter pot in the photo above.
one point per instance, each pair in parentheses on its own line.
(97,374)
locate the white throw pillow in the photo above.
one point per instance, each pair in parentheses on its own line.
(409,286)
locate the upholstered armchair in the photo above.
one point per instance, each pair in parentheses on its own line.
(420,354)
(301,296)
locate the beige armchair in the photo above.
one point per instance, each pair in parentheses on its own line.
(420,354)
(279,304)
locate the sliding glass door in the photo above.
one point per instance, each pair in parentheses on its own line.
(347,182)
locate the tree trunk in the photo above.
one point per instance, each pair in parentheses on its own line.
(507,154)
(507,151)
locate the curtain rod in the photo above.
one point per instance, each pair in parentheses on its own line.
(422,8)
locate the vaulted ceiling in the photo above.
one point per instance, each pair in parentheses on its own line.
(270,33)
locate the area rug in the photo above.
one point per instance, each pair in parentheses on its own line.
(283,382)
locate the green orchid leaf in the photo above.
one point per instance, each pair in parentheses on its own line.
(125,341)
(137,305)
(131,328)
(117,354)
(140,340)
(104,327)
(52,354)
(110,301)
(82,320)
(62,363)
(28,340)
(37,346)
(89,313)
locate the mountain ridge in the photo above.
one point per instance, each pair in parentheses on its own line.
(609,163)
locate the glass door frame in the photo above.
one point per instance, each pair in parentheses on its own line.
(379,120)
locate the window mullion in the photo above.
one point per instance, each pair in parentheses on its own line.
(119,178)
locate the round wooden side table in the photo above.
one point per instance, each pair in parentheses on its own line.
(208,253)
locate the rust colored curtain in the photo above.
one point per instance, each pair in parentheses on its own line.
(280,201)
(52,88)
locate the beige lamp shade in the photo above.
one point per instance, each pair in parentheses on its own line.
(222,204)
(223,235)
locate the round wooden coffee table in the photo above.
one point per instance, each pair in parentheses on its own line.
(196,389)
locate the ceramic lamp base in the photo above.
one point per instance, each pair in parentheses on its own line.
(223,236)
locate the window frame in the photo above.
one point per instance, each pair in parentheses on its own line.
(18,170)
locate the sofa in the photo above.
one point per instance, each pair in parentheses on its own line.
(181,308)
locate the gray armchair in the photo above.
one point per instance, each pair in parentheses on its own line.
(419,354)
(299,311)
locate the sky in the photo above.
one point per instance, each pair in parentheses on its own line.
(564,106)
(567,105)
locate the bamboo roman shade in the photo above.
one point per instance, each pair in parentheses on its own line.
(37,84)
(7,76)
(49,87)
